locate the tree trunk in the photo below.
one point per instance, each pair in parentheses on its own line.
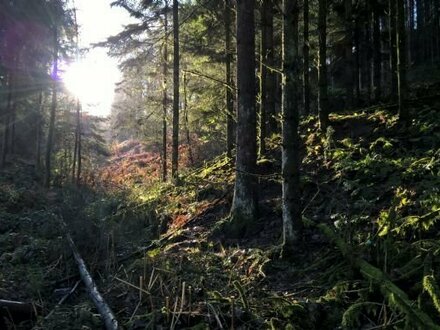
(369,54)
(229,96)
(39,129)
(306,52)
(185,113)
(410,34)
(12,104)
(377,59)
(393,49)
(430,31)
(292,223)
(53,109)
(418,53)
(357,59)
(176,61)
(267,110)
(13,122)
(75,148)
(7,121)
(78,124)
(244,204)
(401,60)
(436,31)
(165,96)
(323,96)
(349,53)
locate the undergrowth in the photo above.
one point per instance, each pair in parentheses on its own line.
(370,256)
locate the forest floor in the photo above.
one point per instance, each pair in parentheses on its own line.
(369,258)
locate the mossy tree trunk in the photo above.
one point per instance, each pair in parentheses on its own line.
(230,136)
(176,79)
(267,108)
(290,109)
(244,205)
(53,109)
(165,95)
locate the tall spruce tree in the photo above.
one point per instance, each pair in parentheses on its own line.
(322,67)
(401,61)
(244,205)
(292,223)
(176,93)
(230,137)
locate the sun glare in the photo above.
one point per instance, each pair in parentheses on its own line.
(93,82)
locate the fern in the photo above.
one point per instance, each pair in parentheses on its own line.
(430,286)
(396,298)
(240,290)
(350,318)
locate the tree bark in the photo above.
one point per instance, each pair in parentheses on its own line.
(13,121)
(436,31)
(349,52)
(229,81)
(401,60)
(377,54)
(39,129)
(75,148)
(12,107)
(267,108)
(78,124)
(393,48)
(369,54)
(418,36)
(176,74)
(410,33)
(292,223)
(306,52)
(165,96)
(244,204)
(323,96)
(53,109)
(185,113)
(7,120)
(357,59)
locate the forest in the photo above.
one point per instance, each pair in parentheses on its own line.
(269,164)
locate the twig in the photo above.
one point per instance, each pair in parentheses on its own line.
(220,325)
(63,299)
(132,285)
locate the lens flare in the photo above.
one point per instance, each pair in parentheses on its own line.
(93,82)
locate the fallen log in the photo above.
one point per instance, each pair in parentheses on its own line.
(104,310)
(391,292)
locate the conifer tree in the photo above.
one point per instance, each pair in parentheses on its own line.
(244,205)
